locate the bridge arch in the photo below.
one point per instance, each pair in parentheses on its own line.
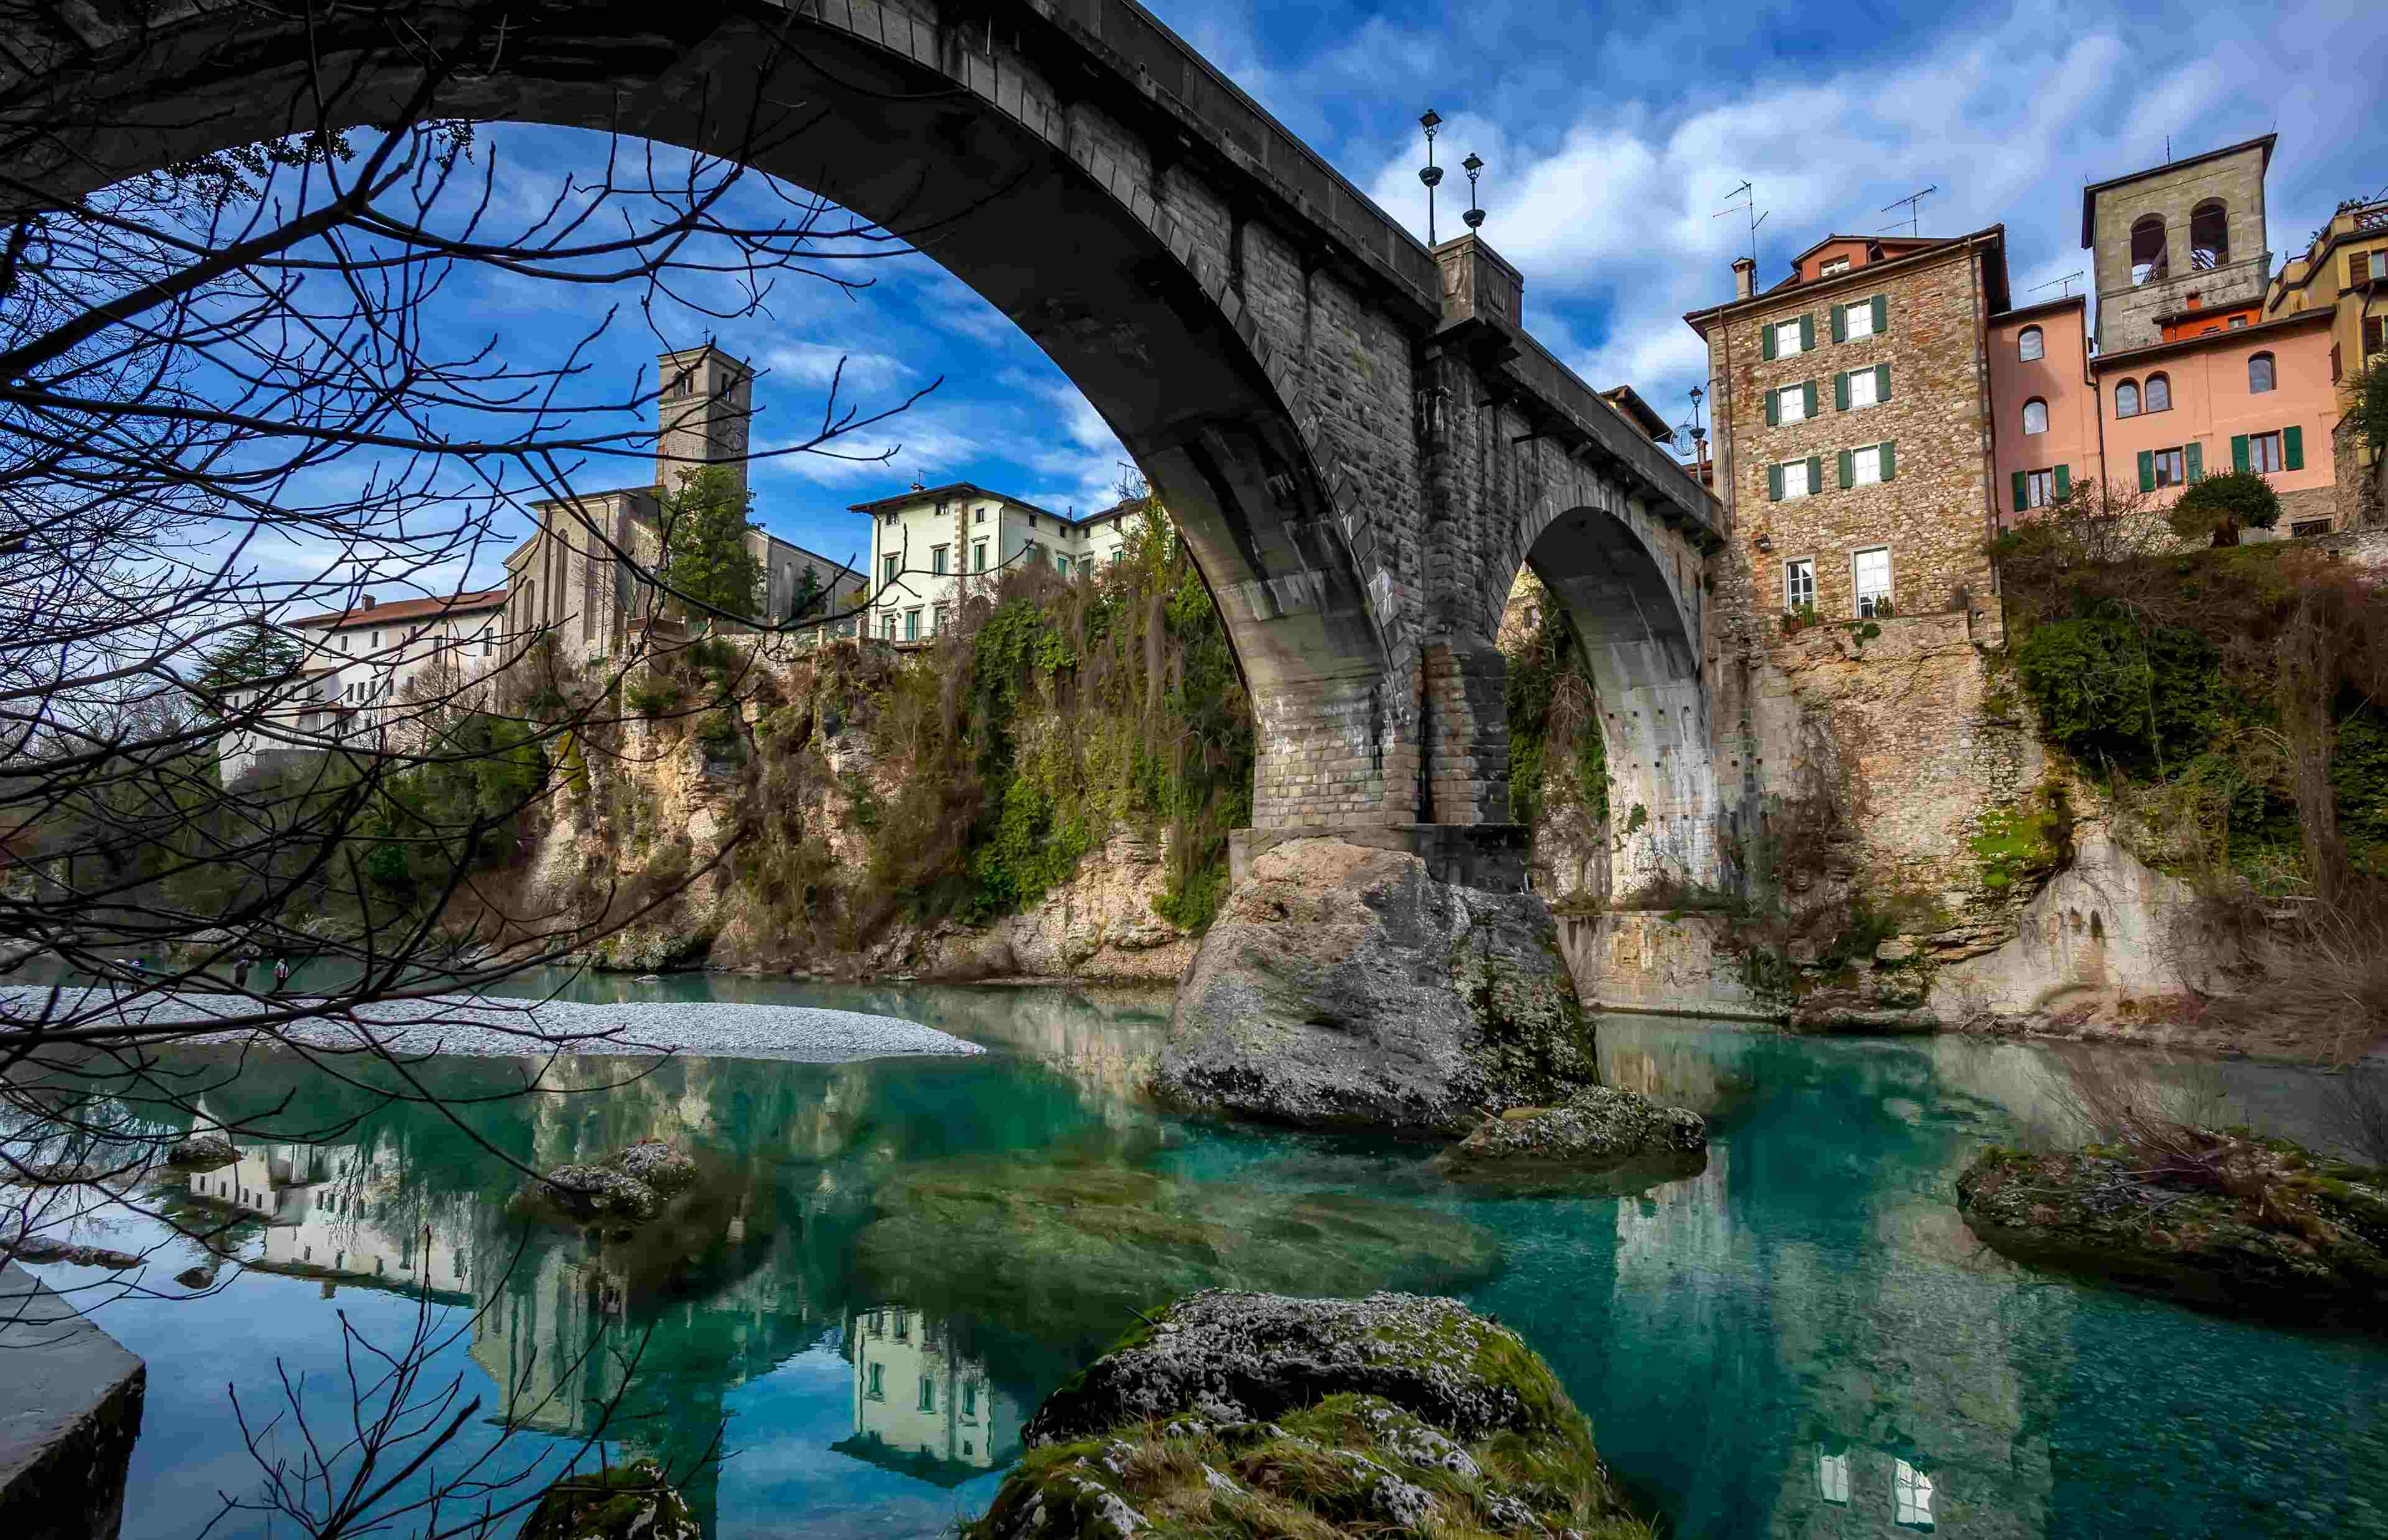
(1026,187)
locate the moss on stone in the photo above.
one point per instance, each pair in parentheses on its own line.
(632,1501)
(2025,841)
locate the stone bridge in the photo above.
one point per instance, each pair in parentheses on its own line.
(1361,441)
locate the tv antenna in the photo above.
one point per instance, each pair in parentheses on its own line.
(2066,281)
(1913,204)
(1748,206)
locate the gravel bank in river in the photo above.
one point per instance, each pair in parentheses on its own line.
(464,1024)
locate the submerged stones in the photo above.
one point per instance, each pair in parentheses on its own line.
(1068,1245)
(632,1501)
(2219,1219)
(1599,1130)
(1254,1413)
(1343,985)
(202,1152)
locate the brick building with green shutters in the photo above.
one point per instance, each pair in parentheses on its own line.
(1852,425)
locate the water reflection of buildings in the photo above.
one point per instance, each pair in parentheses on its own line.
(921,1405)
(339,1213)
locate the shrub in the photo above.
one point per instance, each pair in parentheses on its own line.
(2217,508)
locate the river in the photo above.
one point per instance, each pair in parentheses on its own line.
(894,1260)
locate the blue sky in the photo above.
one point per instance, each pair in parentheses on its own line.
(1611,135)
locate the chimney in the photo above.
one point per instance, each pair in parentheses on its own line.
(369,601)
(1744,277)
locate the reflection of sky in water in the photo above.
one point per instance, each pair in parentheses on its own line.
(1802,1340)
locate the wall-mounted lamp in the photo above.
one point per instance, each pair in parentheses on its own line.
(1764,544)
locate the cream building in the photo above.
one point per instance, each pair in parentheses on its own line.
(928,546)
(920,1403)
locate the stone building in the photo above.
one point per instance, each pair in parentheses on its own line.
(1852,423)
(580,577)
(928,543)
(2185,236)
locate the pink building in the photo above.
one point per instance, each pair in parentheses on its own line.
(2045,441)
(2248,397)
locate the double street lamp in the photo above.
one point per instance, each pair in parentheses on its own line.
(1431,174)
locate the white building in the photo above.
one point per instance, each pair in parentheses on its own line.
(929,543)
(921,1405)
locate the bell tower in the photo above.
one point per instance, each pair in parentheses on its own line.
(706,399)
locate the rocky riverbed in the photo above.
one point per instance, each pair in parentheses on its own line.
(481,1025)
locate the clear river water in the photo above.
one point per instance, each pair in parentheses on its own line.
(894,1261)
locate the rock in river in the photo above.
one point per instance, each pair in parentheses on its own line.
(630,1501)
(1597,1130)
(631,1186)
(1069,1245)
(2220,1219)
(1259,1414)
(1343,985)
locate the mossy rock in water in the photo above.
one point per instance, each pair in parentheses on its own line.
(1252,1414)
(1070,1245)
(1601,1133)
(624,1502)
(2221,1219)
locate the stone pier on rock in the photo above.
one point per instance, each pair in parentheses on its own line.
(1342,984)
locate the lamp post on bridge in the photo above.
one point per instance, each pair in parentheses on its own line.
(1475,167)
(1430,174)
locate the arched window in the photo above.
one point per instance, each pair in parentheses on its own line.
(2209,234)
(2148,250)
(2159,393)
(2028,346)
(2035,415)
(2259,373)
(2126,399)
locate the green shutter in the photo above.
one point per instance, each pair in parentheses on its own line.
(2292,448)
(1809,391)
(1766,342)
(1841,391)
(2147,470)
(1840,325)
(1849,470)
(2239,451)
(1815,473)
(2022,495)
(1881,315)
(1889,459)
(2193,459)
(1774,484)
(1774,409)
(2063,482)
(1806,333)
(1881,382)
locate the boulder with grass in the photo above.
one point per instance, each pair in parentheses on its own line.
(1599,1131)
(633,1186)
(634,1500)
(2221,1219)
(1258,1414)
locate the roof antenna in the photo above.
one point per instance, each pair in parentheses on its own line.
(1913,204)
(1749,207)
(2066,281)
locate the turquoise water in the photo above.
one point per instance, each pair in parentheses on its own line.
(878,1285)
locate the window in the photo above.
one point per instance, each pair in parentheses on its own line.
(1833,266)
(2171,468)
(2035,415)
(940,618)
(911,633)
(892,518)
(927,1393)
(2259,373)
(1798,583)
(938,559)
(1865,386)
(2237,321)
(878,1391)
(903,1326)
(941,509)
(1873,571)
(2126,399)
(1031,521)
(2039,488)
(1795,479)
(376,641)
(2031,346)
(1833,1476)
(982,515)
(2159,393)
(970,1398)
(1791,404)
(888,569)
(978,556)
(2305,529)
(1786,338)
(2264,453)
(1912,1491)
(2148,262)
(1061,564)
(1865,465)
(2363,266)
(888,625)
(1857,320)
(2209,235)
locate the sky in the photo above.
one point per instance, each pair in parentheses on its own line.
(1612,136)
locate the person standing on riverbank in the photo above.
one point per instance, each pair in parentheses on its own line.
(240,971)
(281,973)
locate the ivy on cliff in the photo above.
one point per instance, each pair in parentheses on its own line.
(1557,763)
